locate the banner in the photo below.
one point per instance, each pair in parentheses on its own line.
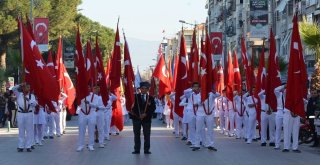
(217,47)
(41,30)
(259,19)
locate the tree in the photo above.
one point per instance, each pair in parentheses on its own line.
(310,33)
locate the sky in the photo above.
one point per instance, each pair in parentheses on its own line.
(144,21)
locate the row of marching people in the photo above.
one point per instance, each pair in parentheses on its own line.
(234,118)
(92,112)
(37,122)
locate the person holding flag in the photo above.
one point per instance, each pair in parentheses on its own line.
(251,103)
(26,105)
(87,117)
(240,109)
(141,115)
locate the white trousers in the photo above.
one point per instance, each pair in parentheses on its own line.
(222,120)
(107,124)
(100,126)
(239,124)
(252,120)
(192,130)
(84,121)
(49,126)
(38,132)
(201,123)
(169,122)
(184,129)
(63,120)
(56,117)
(291,126)
(279,124)
(267,120)
(231,118)
(176,124)
(25,126)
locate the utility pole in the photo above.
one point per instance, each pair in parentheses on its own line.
(225,51)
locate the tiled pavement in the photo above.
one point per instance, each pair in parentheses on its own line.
(165,148)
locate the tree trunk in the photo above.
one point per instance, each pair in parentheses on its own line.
(3,60)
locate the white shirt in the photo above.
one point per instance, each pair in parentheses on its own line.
(31,104)
(264,105)
(237,103)
(281,99)
(251,100)
(224,104)
(90,108)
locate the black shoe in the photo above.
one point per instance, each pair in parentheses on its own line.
(196,149)
(212,149)
(29,150)
(20,149)
(263,144)
(64,132)
(32,147)
(96,141)
(200,143)
(189,143)
(245,140)
(272,144)
(184,138)
(285,150)
(296,151)
(147,152)
(117,133)
(136,152)
(45,137)
(51,137)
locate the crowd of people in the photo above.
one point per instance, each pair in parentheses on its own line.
(237,117)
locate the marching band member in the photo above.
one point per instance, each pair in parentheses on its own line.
(26,104)
(87,117)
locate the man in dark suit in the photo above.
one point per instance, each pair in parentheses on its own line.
(141,115)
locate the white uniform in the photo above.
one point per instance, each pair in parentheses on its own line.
(63,113)
(167,112)
(204,118)
(224,106)
(48,128)
(176,117)
(252,120)
(266,120)
(240,113)
(279,114)
(39,120)
(159,108)
(124,109)
(87,117)
(26,105)
(108,116)
(189,116)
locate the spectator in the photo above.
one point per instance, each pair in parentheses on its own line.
(312,107)
(3,103)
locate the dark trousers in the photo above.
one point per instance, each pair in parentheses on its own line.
(146,132)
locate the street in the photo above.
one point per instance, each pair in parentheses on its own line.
(165,148)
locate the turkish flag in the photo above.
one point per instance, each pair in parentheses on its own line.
(236,71)
(82,79)
(181,76)
(229,78)
(108,71)
(30,27)
(128,78)
(262,74)
(210,66)
(115,70)
(175,71)
(245,63)
(162,74)
(90,65)
(203,76)
(297,74)
(194,60)
(50,64)
(41,80)
(101,75)
(152,91)
(59,64)
(273,77)
(115,76)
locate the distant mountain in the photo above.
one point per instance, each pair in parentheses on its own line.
(142,52)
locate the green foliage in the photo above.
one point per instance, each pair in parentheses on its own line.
(310,33)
